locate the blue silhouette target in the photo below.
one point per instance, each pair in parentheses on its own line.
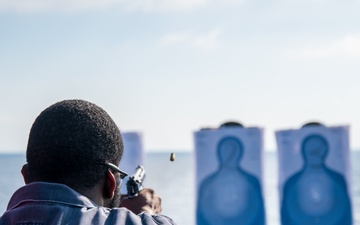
(316,194)
(230,195)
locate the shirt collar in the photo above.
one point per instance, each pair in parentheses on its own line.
(49,192)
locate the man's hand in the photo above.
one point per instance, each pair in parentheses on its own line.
(147,201)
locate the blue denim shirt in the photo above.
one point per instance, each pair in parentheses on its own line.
(41,203)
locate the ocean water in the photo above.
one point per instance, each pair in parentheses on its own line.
(175,183)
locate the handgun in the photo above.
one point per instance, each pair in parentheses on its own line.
(135,183)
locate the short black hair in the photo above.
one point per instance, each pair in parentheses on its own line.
(68,143)
(312,123)
(230,124)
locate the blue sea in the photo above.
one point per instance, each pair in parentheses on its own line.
(175,183)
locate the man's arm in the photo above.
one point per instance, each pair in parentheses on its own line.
(146,201)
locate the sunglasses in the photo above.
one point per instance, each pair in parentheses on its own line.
(116,169)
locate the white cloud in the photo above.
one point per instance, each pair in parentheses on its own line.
(175,38)
(348,46)
(206,42)
(54,5)
(132,5)
(165,5)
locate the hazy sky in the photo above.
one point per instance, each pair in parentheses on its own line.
(169,67)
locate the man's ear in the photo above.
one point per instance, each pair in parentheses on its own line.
(110,185)
(24,172)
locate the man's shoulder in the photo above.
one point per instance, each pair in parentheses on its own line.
(141,219)
(116,216)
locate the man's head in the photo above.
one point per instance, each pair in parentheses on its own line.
(69,143)
(230,151)
(314,150)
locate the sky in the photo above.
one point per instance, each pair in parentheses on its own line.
(167,68)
